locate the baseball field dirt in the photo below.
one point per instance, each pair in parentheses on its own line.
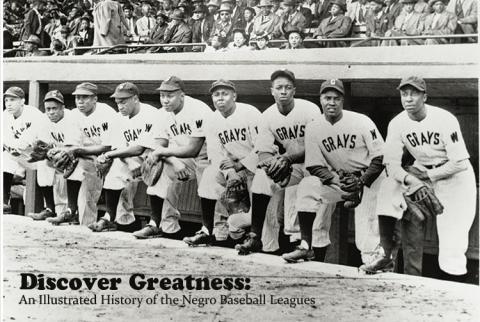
(266,289)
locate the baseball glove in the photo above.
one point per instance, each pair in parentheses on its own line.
(151,171)
(62,160)
(103,165)
(278,168)
(39,151)
(236,197)
(422,203)
(351,183)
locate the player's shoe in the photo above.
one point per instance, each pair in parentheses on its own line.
(65,218)
(379,263)
(200,238)
(7,209)
(103,225)
(42,215)
(252,244)
(148,232)
(299,254)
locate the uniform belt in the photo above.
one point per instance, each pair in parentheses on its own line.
(430,167)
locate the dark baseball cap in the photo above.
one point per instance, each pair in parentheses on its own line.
(85,89)
(335,84)
(283,73)
(54,95)
(222,83)
(173,83)
(125,90)
(14,92)
(414,81)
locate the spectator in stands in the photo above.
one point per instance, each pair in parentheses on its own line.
(295,39)
(377,21)
(262,42)
(224,25)
(422,7)
(248,17)
(240,41)
(323,10)
(34,24)
(408,23)
(84,36)
(357,11)
(467,16)
(108,21)
(202,27)
(168,8)
(57,48)
(276,8)
(146,23)
(131,31)
(213,6)
(54,21)
(218,44)
(393,8)
(157,35)
(291,18)
(238,17)
(266,21)
(308,9)
(177,32)
(336,26)
(64,36)
(440,22)
(73,20)
(31,46)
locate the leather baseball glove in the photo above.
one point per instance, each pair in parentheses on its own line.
(278,168)
(103,165)
(39,151)
(62,160)
(151,171)
(236,197)
(423,203)
(351,183)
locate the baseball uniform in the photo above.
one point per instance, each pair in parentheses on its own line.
(349,145)
(433,142)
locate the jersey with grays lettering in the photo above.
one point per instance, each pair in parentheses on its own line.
(64,132)
(233,137)
(434,140)
(96,128)
(189,122)
(288,130)
(350,144)
(21,131)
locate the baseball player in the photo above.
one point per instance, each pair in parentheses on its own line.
(62,130)
(132,137)
(182,147)
(230,133)
(284,124)
(339,142)
(434,139)
(21,125)
(95,121)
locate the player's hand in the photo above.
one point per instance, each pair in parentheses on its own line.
(230,164)
(180,170)
(411,180)
(422,175)
(102,158)
(232,175)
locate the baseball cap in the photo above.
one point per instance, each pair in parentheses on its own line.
(335,84)
(222,83)
(283,73)
(85,89)
(54,95)
(14,92)
(414,81)
(173,83)
(125,90)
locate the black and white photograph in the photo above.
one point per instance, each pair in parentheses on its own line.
(240,160)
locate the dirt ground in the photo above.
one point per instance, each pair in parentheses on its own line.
(334,293)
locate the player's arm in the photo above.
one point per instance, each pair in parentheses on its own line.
(375,144)
(81,151)
(131,151)
(189,150)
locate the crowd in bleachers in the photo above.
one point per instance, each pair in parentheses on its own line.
(229,25)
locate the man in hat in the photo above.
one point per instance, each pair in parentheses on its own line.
(433,137)
(248,18)
(266,21)
(157,35)
(393,8)
(109,23)
(377,21)
(31,47)
(231,133)
(339,142)
(202,26)
(336,26)
(439,22)
(223,27)
(357,11)
(21,125)
(467,15)
(290,18)
(62,130)
(213,6)
(408,23)
(131,30)
(34,24)
(177,32)
(146,23)
(180,133)
(237,13)
(96,122)
(84,36)
(281,127)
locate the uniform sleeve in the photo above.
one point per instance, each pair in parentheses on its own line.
(250,161)
(373,139)
(198,121)
(393,153)
(313,153)
(265,139)
(454,143)
(160,125)
(214,146)
(39,122)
